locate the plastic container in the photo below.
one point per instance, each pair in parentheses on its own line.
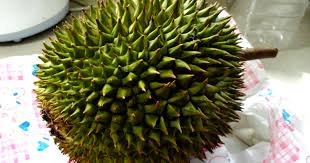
(269,22)
(225,3)
(277,8)
(270,38)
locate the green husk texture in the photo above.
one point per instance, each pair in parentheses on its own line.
(141,80)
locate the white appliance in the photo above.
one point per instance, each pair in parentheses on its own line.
(23,18)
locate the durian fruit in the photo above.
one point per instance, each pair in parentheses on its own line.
(141,81)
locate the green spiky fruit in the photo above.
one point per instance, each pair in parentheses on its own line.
(138,81)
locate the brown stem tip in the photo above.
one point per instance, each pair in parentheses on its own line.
(259,53)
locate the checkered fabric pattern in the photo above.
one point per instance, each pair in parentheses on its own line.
(13,152)
(13,147)
(283,148)
(251,78)
(11,72)
(37,115)
(14,142)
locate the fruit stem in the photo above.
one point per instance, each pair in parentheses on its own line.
(259,53)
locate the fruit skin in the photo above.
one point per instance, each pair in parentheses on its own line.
(137,81)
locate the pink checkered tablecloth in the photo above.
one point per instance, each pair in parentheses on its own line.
(284,145)
(23,135)
(11,72)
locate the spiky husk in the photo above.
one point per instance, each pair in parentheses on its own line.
(138,81)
